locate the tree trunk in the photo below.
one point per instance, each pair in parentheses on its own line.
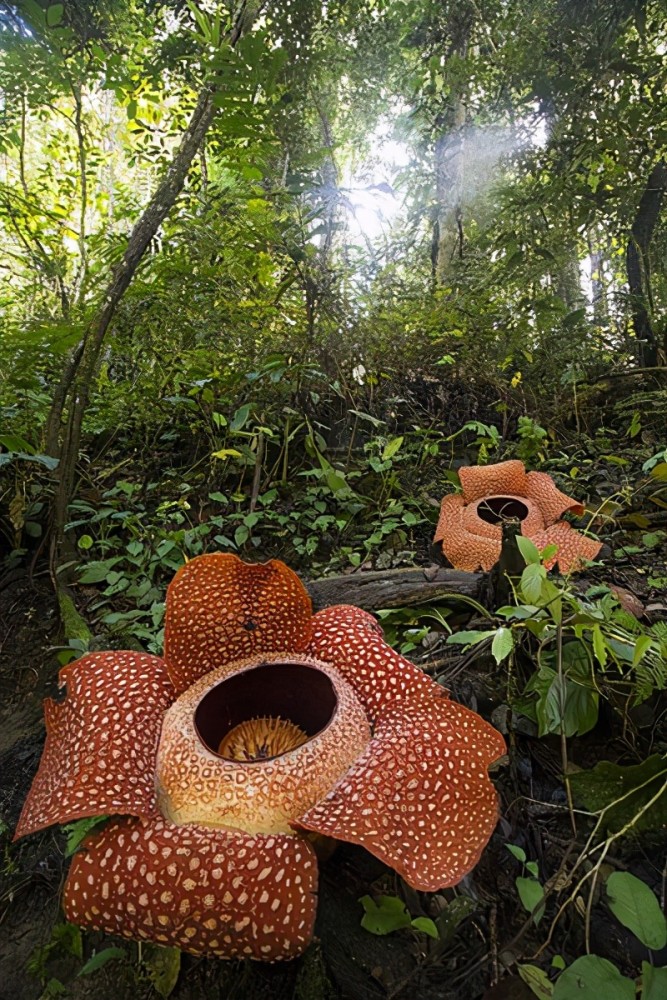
(393,588)
(638,262)
(79,372)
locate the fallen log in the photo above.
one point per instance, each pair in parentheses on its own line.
(393,588)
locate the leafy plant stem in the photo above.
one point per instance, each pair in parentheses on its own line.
(563,738)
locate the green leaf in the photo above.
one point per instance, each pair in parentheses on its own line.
(469,638)
(335,481)
(85,542)
(426,926)
(528,550)
(642,646)
(599,646)
(632,902)
(635,784)
(101,958)
(503,644)
(659,472)
(388,914)
(226,453)
(531,895)
(164,966)
(391,448)
(78,831)
(240,418)
(537,980)
(532,579)
(54,14)
(241,535)
(518,852)
(12,442)
(654,982)
(590,978)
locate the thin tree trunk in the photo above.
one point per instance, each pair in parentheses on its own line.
(638,262)
(75,386)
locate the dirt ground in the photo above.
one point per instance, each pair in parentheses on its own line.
(479,945)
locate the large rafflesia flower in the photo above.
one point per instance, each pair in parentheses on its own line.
(470,524)
(262,726)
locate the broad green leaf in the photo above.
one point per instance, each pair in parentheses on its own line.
(240,418)
(101,958)
(632,902)
(659,472)
(164,966)
(531,894)
(388,914)
(537,980)
(12,442)
(635,784)
(654,982)
(391,448)
(593,978)
(54,14)
(642,646)
(470,637)
(532,579)
(85,542)
(426,926)
(503,644)
(518,852)
(528,550)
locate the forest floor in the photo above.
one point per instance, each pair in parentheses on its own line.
(484,932)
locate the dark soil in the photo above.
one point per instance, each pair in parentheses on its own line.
(474,958)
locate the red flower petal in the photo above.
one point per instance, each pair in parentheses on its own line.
(220,609)
(464,550)
(572,547)
(204,891)
(490,480)
(541,489)
(101,740)
(352,641)
(419,798)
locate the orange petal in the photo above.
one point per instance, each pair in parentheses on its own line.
(215,892)
(450,513)
(220,609)
(572,547)
(541,489)
(419,798)
(489,480)
(351,640)
(101,740)
(463,549)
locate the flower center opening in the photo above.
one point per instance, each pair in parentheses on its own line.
(495,510)
(259,739)
(265,712)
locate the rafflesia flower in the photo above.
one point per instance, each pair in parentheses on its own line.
(470,524)
(262,726)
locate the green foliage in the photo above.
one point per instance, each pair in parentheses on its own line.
(636,907)
(633,796)
(389,913)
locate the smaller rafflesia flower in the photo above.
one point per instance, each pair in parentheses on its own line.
(470,525)
(262,727)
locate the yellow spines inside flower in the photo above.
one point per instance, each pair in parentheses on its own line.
(261,738)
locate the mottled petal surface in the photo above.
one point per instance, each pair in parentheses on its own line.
(215,892)
(220,609)
(101,740)
(493,480)
(464,550)
(541,489)
(420,797)
(352,640)
(572,547)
